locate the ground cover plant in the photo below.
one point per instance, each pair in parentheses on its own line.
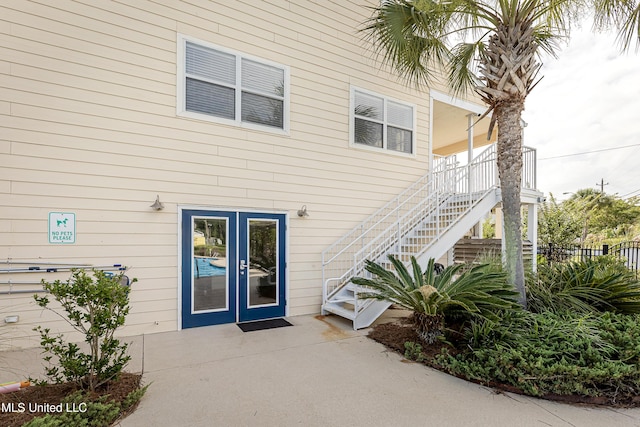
(85,383)
(586,350)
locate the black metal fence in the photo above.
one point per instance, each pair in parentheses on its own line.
(629,252)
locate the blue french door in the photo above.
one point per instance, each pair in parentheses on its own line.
(233,267)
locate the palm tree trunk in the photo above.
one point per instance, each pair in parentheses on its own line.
(508,114)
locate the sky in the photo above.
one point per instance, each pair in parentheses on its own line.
(588,99)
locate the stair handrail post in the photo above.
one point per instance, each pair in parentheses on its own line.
(399,230)
(470,182)
(324,284)
(355,292)
(437,213)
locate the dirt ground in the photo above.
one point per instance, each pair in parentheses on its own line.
(54,393)
(394,334)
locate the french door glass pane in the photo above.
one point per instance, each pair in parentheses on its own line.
(210,267)
(208,98)
(263,262)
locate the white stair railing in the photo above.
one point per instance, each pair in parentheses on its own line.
(337,260)
(464,188)
(387,230)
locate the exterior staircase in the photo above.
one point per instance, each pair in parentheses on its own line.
(424,221)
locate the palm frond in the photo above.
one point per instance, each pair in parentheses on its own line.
(477,292)
(409,38)
(584,286)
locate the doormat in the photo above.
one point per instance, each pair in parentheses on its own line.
(263,324)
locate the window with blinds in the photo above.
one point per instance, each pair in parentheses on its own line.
(381,123)
(233,88)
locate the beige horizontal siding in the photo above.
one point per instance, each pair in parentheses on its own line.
(88,125)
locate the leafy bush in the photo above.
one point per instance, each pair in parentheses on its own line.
(551,353)
(600,284)
(95,306)
(479,291)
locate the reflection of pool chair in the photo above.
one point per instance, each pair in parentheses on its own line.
(267,284)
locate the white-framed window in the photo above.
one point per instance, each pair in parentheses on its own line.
(383,123)
(221,85)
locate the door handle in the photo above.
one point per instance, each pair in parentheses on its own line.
(243,266)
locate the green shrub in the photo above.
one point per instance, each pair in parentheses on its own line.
(550,353)
(95,306)
(600,284)
(454,294)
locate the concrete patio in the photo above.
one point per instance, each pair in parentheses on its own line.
(318,372)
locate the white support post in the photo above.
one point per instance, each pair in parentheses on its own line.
(498,223)
(470,138)
(469,153)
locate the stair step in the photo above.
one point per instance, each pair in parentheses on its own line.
(418,240)
(404,257)
(342,300)
(340,311)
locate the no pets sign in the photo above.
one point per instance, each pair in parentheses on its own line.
(62,227)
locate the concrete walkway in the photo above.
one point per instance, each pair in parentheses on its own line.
(317,373)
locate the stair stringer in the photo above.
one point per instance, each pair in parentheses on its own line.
(448,239)
(364,312)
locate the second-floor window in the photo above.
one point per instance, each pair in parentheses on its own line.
(229,87)
(383,123)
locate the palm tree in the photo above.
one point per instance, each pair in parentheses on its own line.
(457,293)
(491,47)
(624,15)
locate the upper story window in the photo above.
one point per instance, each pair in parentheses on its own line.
(229,87)
(380,122)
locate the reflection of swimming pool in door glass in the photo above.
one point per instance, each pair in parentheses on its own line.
(208,267)
(210,289)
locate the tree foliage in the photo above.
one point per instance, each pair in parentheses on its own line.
(588,217)
(490,47)
(557,224)
(95,306)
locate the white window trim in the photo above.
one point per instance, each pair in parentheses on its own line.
(384,149)
(181,100)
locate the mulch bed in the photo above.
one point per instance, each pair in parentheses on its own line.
(53,394)
(393,335)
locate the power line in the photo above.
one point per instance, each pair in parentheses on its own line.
(630,194)
(590,152)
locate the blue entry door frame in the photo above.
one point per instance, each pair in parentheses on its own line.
(233,266)
(262,257)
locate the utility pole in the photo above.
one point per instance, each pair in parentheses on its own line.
(602,184)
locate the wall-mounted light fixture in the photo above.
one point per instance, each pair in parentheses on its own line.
(302,212)
(157,205)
